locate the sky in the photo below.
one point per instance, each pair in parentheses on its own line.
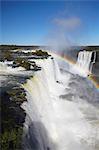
(43,22)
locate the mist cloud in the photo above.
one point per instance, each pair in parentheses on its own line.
(61,36)
(68,23)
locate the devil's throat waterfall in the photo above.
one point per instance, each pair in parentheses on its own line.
(62,105)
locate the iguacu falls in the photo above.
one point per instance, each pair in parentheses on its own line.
(48,102)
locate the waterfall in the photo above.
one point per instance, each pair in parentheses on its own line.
(61,108)
(85,62)
(52,73)
(93,60)
(40,112)
(50,121)
(56,70)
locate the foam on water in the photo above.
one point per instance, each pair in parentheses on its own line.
(4,68)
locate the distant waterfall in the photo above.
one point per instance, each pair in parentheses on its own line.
(56,70)
(93,60)
(85,62)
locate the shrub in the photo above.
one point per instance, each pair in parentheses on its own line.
(11,140)
(40,53)
(23,63)
(7,55)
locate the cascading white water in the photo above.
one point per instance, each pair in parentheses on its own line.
(40,90)
(52,123)
(84,63)
(52,73)
(4,68)
(56,70)
(93,60)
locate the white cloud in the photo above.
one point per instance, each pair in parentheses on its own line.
(68,23)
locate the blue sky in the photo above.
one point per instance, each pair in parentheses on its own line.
(37,22)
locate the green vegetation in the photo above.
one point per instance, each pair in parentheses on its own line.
(23,63)
(13,117)
(11,140)
(17,95)
(8,47)
(91,48)
(26,64)
(13,47)
(41,53)
(6,55)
